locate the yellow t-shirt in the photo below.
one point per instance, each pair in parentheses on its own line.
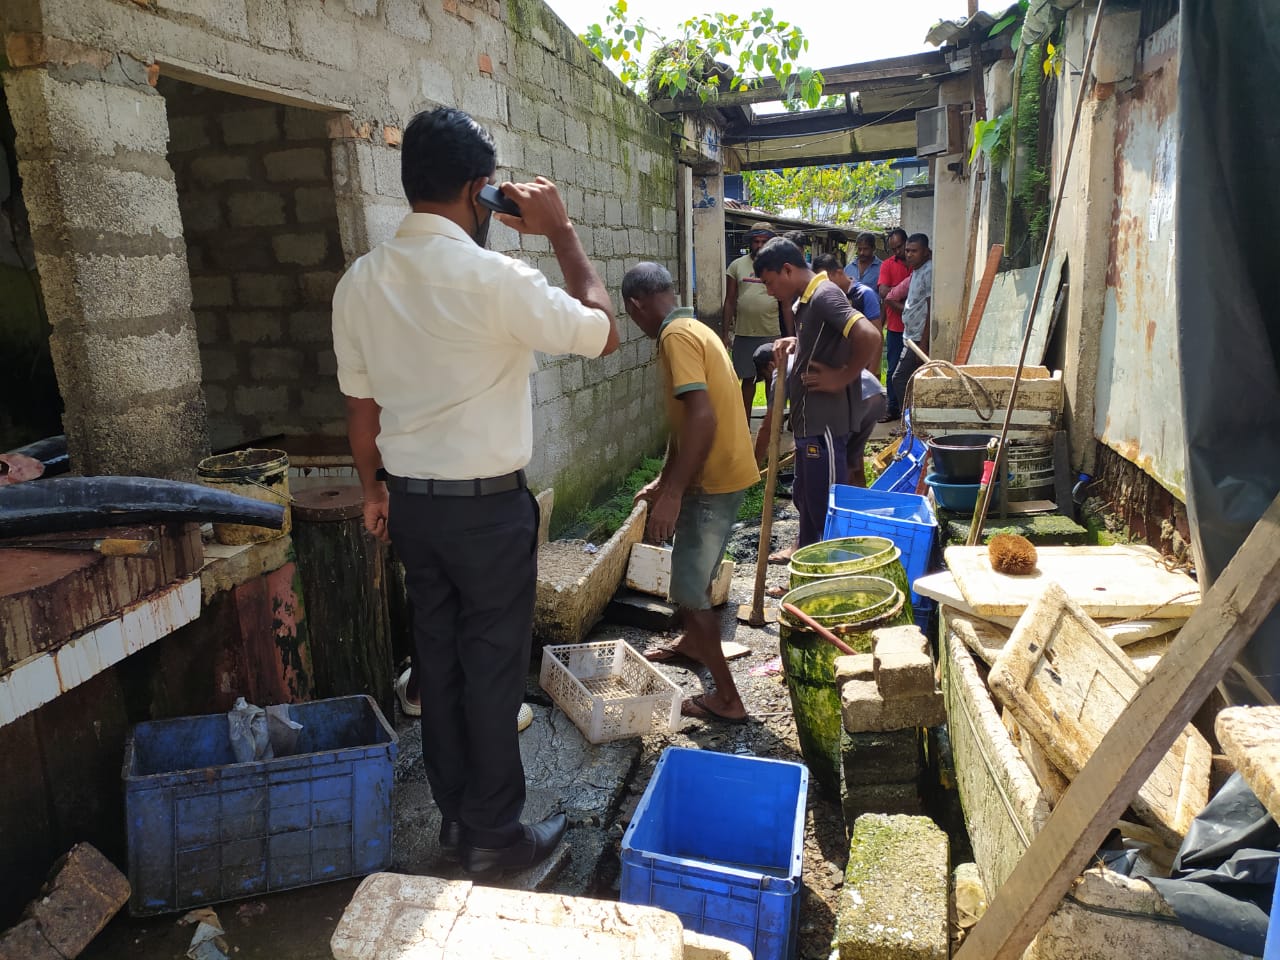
(757,313)
(694,358)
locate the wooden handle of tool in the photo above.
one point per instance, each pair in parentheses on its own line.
(918,352)
(113,547)
(770,485)
(819,629)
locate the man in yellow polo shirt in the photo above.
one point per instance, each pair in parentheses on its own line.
(751,315)
(709,467)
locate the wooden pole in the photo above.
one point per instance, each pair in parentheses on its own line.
(755,616)
(1197,661)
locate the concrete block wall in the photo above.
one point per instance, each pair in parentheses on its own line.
(259,220)
(512,64)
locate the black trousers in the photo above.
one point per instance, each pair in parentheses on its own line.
(470,572)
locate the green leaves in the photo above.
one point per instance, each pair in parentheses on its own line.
(992,138)
(688,61)
(834,194)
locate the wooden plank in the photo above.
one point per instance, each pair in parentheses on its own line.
(1050,778)
(1066,683)
(1062,479)
(1251,738)
(984,639)
(1155,718)
(979,303)
(1115,582)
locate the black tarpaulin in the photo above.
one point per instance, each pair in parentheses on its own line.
(1228,279)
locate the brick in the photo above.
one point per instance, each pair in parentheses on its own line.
(265,290)
(253,401)
(300,163)
(209,327)
(201,212)
(258,125)
(211,292)
(302,124)
(305,249)
(893,756)
(904,674)
(864,710)
(25,942)
(859,667)
(486,64)
(220,168)
(318,287)
(275,363)
(255,209)
(899,640)
(392,136)
(894,902)
(314,204)
(29,49)
(85,892)
(309,326)
(342,127)
(218,364)
(255,326)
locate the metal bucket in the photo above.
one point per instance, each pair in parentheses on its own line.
(256,473)
(850,607)
(1031,471)
(850,556)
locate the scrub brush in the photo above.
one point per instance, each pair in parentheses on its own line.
(1011,554)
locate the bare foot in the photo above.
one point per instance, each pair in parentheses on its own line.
(706,707)
(782,556)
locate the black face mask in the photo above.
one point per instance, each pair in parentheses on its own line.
(481,233)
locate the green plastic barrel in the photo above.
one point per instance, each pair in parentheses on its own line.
(850,607)
(850,556)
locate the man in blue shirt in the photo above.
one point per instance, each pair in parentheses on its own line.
(862,297)
(865,268)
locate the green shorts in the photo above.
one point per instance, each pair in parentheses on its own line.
(702,533)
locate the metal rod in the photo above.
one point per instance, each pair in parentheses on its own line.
(975,531)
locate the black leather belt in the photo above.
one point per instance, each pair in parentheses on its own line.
(458,488)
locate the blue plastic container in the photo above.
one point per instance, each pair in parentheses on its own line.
(1271,949)
(719,840)
(203,828)
(902,476)
(905,518)
(961,498)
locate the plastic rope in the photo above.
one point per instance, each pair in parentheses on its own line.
(979,397)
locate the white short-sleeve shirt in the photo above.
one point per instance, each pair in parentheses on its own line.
(441,333)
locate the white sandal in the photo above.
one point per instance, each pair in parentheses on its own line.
(407,706)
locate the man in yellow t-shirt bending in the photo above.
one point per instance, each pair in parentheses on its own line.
(709,467)
(751,315)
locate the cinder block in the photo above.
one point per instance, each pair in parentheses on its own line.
(865,711)
(24,942)
(218,364)
(304,249)
(300,124)
(254,401)
(88,116)
(300,163)
(858,667)
(907,639)
(275,363)
(85,893)
(892,756)
(265,290)
(220,168)
(885,798)
(100,199)
(314,204)
(311,326)
(904,674)
(894,902)
(257,208)
(258,125)
(211,292)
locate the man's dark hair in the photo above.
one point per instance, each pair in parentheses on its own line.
(762,357)
(443,150)
(868,237)
(646,278)
(827,262)
(897,231)
(920,238)
(778,252)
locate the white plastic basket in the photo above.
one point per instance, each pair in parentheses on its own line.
(609,691)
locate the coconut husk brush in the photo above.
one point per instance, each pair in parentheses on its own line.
(1011,554)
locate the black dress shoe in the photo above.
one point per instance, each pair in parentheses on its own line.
(537,843)
(450,839)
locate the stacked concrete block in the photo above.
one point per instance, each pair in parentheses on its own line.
(260,222)
(894,903)
(887,697)
(91,136)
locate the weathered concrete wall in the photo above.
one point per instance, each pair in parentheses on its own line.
(949,239)
(261,228)
(553,108)
(1139,405)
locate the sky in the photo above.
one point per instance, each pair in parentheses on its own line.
(837,33)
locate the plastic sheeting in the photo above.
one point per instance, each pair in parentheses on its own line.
(1229,292)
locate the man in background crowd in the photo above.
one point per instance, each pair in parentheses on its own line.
(916,310)
(865,267)
(893,271)
(750,314)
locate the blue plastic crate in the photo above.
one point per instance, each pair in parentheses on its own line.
(203,828)
(905,518)
(719,840)
(903,475)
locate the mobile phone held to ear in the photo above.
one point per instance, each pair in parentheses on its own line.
(497,201)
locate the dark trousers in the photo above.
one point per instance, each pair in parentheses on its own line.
(892,351)
(820,462)
(470,572)
(908,364)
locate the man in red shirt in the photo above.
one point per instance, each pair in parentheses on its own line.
(893,271)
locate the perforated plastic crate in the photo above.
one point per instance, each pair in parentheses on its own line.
(719,840)
(609,691)
(903,474)
(202,828)
(905,518)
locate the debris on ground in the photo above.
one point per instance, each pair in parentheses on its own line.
(208,942)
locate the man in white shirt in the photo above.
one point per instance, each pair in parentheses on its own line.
(435,339)
(917,312)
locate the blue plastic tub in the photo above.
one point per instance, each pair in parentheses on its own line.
(903,475)
(959,498)
(905,518)
(719,840)
(202,828)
